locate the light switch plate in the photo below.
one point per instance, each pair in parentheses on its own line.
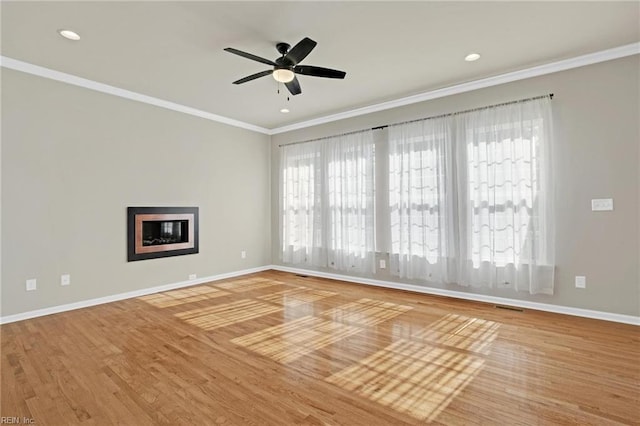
(581,281)
(602,204)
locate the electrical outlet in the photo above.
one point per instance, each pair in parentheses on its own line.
(31,284)
(581,282)
(243,254)
(65,279)
(383,264)
(602,204)
(192,276)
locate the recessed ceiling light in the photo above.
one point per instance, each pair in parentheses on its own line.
(284,110)
(472,57)
(68,34)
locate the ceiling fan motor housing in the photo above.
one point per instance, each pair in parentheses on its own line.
(283,48)
(283,63)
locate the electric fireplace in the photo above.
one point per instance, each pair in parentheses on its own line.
(154,232)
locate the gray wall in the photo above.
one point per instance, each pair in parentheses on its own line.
(73,160)
(596,112)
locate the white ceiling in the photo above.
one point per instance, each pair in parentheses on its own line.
(174,50)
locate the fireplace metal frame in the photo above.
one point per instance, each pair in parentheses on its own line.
(137,215)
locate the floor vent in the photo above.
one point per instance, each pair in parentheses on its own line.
(302,276)
(509,308)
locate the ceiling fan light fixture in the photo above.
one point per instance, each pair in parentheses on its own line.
(283,75)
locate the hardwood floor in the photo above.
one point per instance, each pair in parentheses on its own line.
(277,349)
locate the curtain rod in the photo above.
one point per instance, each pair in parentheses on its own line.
(550,96)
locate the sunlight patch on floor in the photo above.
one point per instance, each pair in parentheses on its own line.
(287,342)
(182,296)
(461,332)
(411,377)
(296,297)
(366,312)
(247,284)
(213,317)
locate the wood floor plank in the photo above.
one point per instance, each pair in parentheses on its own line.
(274,348)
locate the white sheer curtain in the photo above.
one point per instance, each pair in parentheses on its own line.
(505,198)
(471,200)
(349,202)
(420,200)
(327,203)
(301,205)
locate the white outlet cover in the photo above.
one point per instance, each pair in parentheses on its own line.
(383,264)
(602,204)
(243,254)
(581,281)
(65,279)
(31,285)
(192,276)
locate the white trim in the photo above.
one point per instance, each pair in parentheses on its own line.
(567,310)
(28,68)
(607,316)
(580,61)
(128,295)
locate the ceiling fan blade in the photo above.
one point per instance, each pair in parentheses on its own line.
(253,76)
(249,56)
(300,51)
(294,86)
(318,71)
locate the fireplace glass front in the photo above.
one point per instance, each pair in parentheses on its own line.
(161,232)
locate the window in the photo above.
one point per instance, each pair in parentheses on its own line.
(328,209)
(464,198)
(502,181)
(470,199)
(418,208)
(505,199)
(300,217)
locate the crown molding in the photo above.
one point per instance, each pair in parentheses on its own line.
(28,68)
(579,61)
(566,64)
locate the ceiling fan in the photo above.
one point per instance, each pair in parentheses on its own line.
(286,66)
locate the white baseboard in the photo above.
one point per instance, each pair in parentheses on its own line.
(128,295)
(567,310)
(607,316)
